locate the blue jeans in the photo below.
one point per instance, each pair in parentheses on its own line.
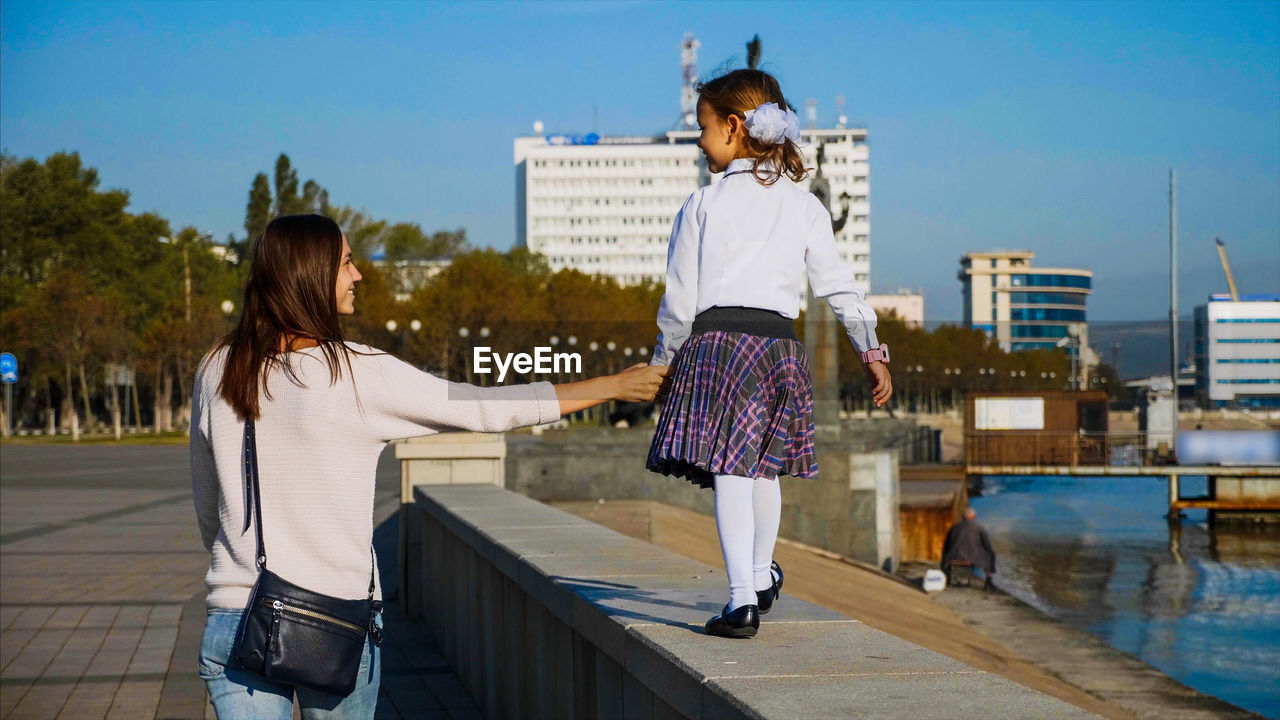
(242,695)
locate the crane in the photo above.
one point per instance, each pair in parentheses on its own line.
(1226,267)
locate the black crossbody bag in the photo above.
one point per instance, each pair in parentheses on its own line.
(290,634)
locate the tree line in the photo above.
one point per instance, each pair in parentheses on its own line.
(108,309)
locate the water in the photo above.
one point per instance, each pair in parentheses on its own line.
(1200,604)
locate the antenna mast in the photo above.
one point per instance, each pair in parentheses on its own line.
(689,77)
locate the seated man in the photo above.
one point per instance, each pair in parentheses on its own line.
(967,544)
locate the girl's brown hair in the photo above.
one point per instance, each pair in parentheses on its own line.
(291,293)
(735,93)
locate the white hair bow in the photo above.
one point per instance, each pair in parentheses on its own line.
(772,125)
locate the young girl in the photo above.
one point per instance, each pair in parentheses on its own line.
(738,408)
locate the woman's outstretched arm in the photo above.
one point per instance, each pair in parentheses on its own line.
(638,383)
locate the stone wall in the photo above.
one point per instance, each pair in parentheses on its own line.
(851,509)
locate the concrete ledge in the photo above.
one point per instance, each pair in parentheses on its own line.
(546,615)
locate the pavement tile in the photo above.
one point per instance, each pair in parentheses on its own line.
(32,618)
(158,638)
(165,615)
(8,613)
(135,700)
(132,616)
(89,700)
(43,701)
(12,694)
(110,662)
(12,643)
(67,616)
(37,654)
(103,616)
(77,653)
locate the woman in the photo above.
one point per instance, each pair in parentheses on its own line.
(323,409)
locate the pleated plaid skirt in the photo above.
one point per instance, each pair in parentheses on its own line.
(740,402)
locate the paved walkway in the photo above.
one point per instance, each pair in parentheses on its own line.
(102,593)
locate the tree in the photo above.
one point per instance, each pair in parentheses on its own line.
(364,234)
(287,200)
(315,199)
(257,214)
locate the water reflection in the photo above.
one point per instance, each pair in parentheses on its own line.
(1200,603)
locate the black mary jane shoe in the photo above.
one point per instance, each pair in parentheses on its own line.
(765,598)
(741,623)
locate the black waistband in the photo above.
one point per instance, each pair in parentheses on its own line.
(752,321)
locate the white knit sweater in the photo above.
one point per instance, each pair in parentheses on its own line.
(318,446)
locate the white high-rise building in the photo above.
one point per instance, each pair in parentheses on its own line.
(605,205)
(1237,351)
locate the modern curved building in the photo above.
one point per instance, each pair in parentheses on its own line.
(1024,307)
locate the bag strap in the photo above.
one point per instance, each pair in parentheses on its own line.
(254,496)
(252,491)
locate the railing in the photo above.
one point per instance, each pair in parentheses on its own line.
(1057,448)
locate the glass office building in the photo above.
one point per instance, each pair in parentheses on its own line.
(1023,307)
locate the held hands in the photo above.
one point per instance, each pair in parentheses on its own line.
(640,382)
(881,384)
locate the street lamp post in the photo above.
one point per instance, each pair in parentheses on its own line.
(464,332)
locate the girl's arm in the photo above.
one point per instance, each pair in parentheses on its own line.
(832,279)
(680,300)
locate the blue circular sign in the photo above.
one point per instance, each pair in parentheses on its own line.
(8,368)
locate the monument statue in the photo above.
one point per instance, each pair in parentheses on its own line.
(820,336)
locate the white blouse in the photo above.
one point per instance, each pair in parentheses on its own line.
(738,242)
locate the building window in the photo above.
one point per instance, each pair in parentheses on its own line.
(1050,314)
(1046,298)
(1051,281)
(1039,331)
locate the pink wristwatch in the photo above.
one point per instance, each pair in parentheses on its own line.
(880,354)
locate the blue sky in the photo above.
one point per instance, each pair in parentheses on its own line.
(1042,126)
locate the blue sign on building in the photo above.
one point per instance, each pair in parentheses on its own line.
(588,139)
(8,368)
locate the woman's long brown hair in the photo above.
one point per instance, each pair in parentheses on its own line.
(736,92)
(291,293)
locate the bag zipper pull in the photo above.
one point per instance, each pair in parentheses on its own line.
(277,609)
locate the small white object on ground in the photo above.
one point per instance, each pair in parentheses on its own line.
(934,581)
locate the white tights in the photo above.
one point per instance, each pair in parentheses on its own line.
(748,512)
